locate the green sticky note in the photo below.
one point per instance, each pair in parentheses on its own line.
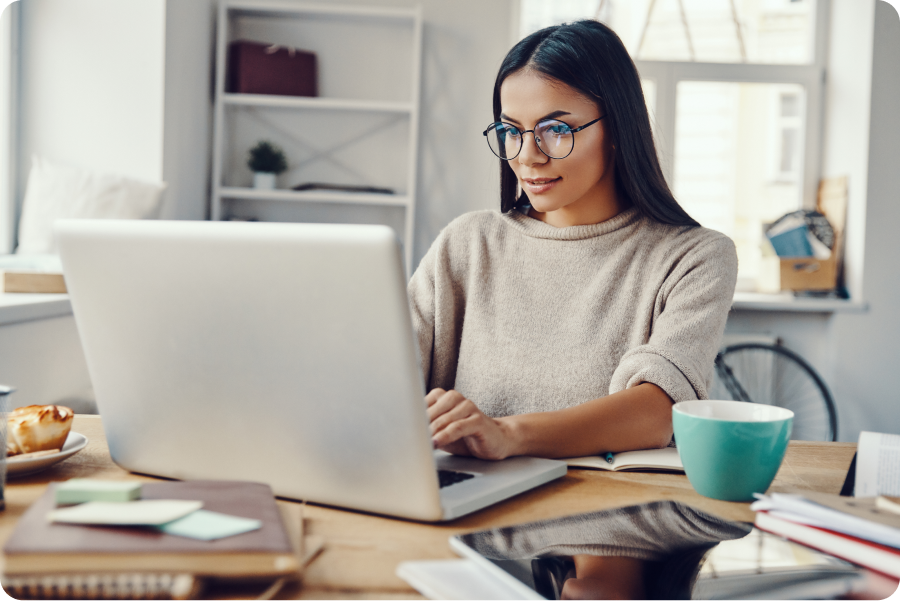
(151,512)
(210,525)
(85,490)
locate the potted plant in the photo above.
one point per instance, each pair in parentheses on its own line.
(266,161)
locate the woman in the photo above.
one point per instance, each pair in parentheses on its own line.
(568,323)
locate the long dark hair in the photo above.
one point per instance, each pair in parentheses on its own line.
(589,57)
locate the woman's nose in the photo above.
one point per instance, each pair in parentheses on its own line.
(530,153)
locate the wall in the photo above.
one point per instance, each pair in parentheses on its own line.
(123,87)
(92,85)
(867,347)
(188,97)
(9,21)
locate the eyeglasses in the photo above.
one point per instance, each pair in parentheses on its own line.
(554,138)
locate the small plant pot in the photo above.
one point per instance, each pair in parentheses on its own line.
(263,180)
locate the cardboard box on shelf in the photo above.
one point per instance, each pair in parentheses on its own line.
(809,273)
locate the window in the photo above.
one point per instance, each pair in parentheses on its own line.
(734,89)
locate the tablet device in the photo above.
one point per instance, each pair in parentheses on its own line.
(682,553)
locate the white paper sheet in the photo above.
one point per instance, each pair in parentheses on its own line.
(877,465)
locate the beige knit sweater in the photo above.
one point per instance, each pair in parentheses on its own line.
(520,316)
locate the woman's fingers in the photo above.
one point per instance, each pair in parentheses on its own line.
(456,409)
(458,426)
(443,403)
(433,396)
(457,429)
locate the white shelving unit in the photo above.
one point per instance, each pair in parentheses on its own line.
(362,129)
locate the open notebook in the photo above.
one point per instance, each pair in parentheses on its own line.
(664,460)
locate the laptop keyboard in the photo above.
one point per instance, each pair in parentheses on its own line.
(448,477)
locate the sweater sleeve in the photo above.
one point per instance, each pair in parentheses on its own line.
(437,304)
(421,292)
(689,319)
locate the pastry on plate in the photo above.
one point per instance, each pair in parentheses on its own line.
(37,428)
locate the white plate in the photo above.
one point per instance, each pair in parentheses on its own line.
(74,443)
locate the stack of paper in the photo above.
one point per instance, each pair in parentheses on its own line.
(864,531)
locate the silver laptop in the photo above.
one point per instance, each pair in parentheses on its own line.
(274,352)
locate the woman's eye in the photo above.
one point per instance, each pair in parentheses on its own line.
(558,130)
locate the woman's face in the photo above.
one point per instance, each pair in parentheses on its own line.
(576,190)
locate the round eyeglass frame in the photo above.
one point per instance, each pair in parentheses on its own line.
(537,140)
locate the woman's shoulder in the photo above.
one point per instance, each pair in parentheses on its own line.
(682,249)
(469,226)
(474,220)
(695,239)
(466,234)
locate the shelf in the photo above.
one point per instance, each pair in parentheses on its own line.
(306,102)
(16,308)
(265,9)
(786,301)
(315,196)
(366,121)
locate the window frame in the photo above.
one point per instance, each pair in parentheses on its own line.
(666,75)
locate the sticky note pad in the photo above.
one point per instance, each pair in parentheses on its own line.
(84,490)
(153,512)
(210,525)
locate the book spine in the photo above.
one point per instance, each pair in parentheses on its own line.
(103,586)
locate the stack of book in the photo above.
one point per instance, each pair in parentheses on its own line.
(48,559)
(863,531)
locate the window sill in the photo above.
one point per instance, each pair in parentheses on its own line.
(785,301)
(16,308)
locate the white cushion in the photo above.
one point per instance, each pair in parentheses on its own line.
(57,191)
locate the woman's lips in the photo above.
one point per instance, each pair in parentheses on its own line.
(540,185)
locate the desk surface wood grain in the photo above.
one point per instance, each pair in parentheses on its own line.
(362,550)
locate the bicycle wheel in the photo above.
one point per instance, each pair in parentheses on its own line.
(773,375)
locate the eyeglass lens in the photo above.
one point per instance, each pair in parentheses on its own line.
(554,138)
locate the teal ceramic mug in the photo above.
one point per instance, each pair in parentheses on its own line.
(731,449)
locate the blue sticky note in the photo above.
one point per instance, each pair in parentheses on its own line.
(210,525)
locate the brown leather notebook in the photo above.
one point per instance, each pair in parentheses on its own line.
(41,547)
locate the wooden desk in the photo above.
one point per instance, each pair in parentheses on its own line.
(362,551)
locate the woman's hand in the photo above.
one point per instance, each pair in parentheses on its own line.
(459,427)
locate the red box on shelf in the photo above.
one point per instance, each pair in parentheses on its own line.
(255,68)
